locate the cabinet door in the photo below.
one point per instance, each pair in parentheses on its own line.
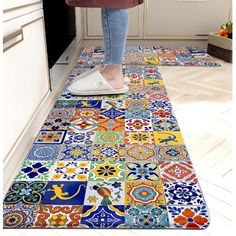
(93,27)
(26,79)
(184,19)
(79,26)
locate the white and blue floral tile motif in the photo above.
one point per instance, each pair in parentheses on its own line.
(146,217)
(35,170)
(84,138)
(56,124)
(42,152)
(18,216)
(69,171)
(183,193)
(111,216)
(64,193)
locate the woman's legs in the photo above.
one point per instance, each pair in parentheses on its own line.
(115,30)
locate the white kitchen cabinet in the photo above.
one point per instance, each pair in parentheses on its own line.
(93,26)
(166,19)
(16,8)
(184,19)
(26,77)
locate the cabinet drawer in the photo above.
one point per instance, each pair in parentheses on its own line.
(10,5)
(26,79)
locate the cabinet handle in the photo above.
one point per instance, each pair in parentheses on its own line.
(10,37)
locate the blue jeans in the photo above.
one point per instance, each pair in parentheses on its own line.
(115,30)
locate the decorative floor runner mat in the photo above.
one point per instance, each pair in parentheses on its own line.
(109,162)
(161,56)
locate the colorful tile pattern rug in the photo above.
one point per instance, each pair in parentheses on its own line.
(160,56)
(109,162)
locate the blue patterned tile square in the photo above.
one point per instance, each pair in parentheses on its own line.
(43,152)
(18,216)
(111,216)
(108,152)
(112,113)
(155,105)
(75,138)
(188,217)
(25,192)
(64,193)
(142,171)
(183,193)
(164,124)
(135,96)
(75,153)
(137,113)
(172,153)
(50,137)
(146,217)
(88,104)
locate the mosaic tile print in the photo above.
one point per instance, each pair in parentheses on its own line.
(69,171)
(107,171)
(149,216)
(35,170)
(108,152)
(18,216)
(144,193)
(189,217)
(40,152)
(58,217)
(75,152)
(112,161)
(103,216)
(158,56)
(105,193)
